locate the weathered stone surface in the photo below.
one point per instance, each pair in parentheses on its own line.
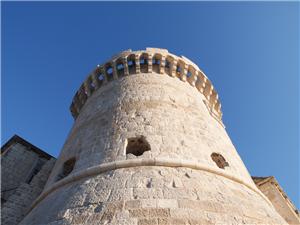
(24,172)
(176,181)
(283,205)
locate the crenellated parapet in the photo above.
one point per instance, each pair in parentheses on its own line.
(151,60)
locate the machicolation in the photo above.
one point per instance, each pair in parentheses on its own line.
(148,61)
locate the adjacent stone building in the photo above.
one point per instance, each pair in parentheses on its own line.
(24,171)
(270,187)
(148,147)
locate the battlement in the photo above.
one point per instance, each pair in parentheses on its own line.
(151,60)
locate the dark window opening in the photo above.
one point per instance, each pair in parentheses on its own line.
(131,64)
(67,168)
(100,78)
(92,87)
(156,61)
(179,70)
(137,146)
(144,64)
(143,61)
(109,72)
(120,69)
(120,66)
(167,64)
(189,74)
(168,67)
(156,65)
(219,160)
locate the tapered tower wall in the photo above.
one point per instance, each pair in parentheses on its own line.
(189,171)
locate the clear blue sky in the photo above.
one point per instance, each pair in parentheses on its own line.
(250,52)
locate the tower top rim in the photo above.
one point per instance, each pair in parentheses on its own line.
(150,60)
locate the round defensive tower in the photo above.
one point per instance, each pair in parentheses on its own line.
(148,146)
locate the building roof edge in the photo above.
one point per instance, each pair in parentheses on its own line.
(17,139)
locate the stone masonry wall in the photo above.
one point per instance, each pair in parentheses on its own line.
(282,204)
(18,204)
(16,166)
(175,182)
(169,113)
(153,195)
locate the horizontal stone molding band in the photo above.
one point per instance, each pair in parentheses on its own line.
(151,60)
(104,167)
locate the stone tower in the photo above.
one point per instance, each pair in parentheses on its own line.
(148,146)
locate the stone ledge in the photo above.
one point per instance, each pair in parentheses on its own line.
(92,171)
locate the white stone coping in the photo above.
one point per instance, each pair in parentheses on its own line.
(189,72)
(165,162)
